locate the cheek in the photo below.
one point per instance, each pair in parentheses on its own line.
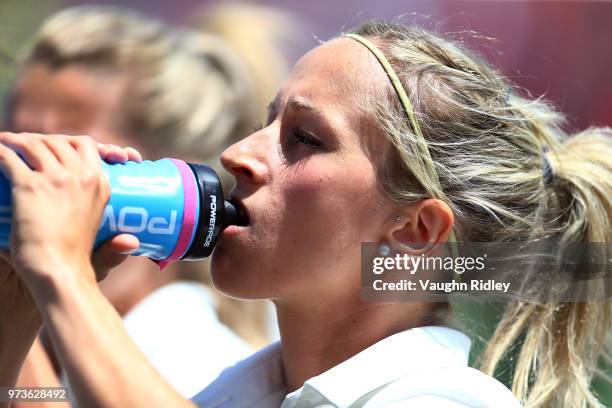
(326,214)
(334,199)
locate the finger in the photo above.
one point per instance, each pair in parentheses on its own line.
(113,252)
(102,150)
(64,152)
(116,154)
(84,147)
(12,166)
(33,150)
(87,149)
(111,153)
(133,154)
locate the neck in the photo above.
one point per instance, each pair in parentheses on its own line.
(318,336)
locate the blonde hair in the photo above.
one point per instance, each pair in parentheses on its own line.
(190,94)
(488,142)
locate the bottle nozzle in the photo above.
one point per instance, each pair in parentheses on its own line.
(233,216)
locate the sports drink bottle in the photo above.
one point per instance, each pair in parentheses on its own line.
(175,208)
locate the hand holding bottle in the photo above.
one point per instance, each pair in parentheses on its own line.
(58,199)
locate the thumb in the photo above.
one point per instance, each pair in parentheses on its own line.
(112,252)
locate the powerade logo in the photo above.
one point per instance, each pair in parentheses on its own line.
(211,221)
(136,219)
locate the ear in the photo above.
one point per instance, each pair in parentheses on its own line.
(421,224)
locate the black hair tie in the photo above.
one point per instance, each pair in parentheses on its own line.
(548,174)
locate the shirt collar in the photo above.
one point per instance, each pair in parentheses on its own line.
(391,358)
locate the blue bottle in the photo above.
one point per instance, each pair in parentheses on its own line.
(175,208)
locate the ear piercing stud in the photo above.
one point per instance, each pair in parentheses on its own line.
(398,218)
(384,250)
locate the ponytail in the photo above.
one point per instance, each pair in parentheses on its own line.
(562,341)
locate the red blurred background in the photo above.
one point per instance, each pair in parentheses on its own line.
(558,48)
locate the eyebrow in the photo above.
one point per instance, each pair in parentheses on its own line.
(296,103)
(301,104)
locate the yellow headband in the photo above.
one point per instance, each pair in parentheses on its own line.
(403,97)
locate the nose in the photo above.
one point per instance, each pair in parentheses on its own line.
(246,160)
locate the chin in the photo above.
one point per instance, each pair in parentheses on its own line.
(232,279)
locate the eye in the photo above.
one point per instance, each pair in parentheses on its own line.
(303,137)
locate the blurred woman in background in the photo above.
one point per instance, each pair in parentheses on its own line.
(125,79)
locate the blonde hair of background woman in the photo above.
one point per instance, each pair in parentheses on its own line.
(487,142)
(190,94)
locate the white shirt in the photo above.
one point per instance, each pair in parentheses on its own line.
(177,328)
(421,367)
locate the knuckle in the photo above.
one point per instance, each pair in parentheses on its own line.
(62,139)
(63,142)
(33,143)
(29,138)
(91,178)
(61,179)
(29,184)
(86,141)
(88,177)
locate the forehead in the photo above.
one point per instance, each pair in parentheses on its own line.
(340,77)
